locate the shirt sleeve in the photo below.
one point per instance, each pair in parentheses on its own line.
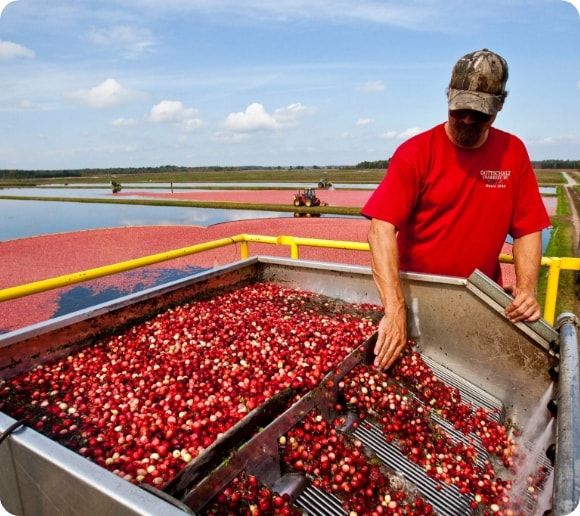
(529,214)
(395,197)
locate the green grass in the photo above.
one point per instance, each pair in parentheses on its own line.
(561,244)
(287,208)
(550,177)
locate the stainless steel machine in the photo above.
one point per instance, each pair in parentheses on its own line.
(462,333)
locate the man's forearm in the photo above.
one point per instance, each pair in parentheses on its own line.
(385,263)
(527,255)
(392,331)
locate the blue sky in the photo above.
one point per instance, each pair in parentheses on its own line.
(269,82)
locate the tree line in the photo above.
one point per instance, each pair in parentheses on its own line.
(86,172)
(556,163)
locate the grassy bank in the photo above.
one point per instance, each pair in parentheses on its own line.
(287,208)
(550,177)
(561,244)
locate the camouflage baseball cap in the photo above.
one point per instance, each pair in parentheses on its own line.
(478,82)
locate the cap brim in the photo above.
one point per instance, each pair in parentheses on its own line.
(476,100)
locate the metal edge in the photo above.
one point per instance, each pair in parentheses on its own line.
(360,269)
(498,299)
(120,302)
(567,464)
(86,472)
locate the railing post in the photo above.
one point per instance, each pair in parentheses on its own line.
(244,249)
(294,252)
(552,290)
(291,241)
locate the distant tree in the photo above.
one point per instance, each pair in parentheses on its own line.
(556,163)
(381,164)
(116,186)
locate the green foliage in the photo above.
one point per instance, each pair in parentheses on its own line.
(380,164)
(556,163)
(563,207)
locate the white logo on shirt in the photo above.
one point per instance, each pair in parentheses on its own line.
(495,178)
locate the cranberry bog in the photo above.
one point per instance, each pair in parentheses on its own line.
(248,390)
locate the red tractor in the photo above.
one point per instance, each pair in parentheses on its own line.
(306,197)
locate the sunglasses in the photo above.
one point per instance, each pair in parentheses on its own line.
(477,116)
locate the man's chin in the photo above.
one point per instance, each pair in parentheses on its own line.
(467,138)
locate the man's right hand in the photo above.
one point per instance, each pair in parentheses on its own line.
(392,337)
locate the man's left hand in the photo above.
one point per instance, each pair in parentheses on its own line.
(524,307)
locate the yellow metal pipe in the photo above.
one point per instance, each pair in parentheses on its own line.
(334,244)
(552,290)
(71,279)
(261,239)
(290,241)
(244,250)
(546,260)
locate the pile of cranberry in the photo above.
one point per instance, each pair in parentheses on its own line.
(338,465)
(446,400)
(145,402)
(406,421)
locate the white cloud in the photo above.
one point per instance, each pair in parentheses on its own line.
(26,104)
(171,111)
(373,87)
(132,40)
(254,118)
(408,133)
(107,94)
(9,50)
(174,112)
(124,122)
(403,135)
(291,113)
(191,124)
(578,85)
(364,121)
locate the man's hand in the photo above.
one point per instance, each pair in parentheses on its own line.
(392,337)
(524,307)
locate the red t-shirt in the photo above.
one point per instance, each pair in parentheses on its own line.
(454,207)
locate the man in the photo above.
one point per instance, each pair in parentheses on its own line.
(451,196)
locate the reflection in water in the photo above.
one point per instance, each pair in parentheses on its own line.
(95,292)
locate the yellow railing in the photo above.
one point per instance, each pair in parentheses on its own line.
(555,265)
